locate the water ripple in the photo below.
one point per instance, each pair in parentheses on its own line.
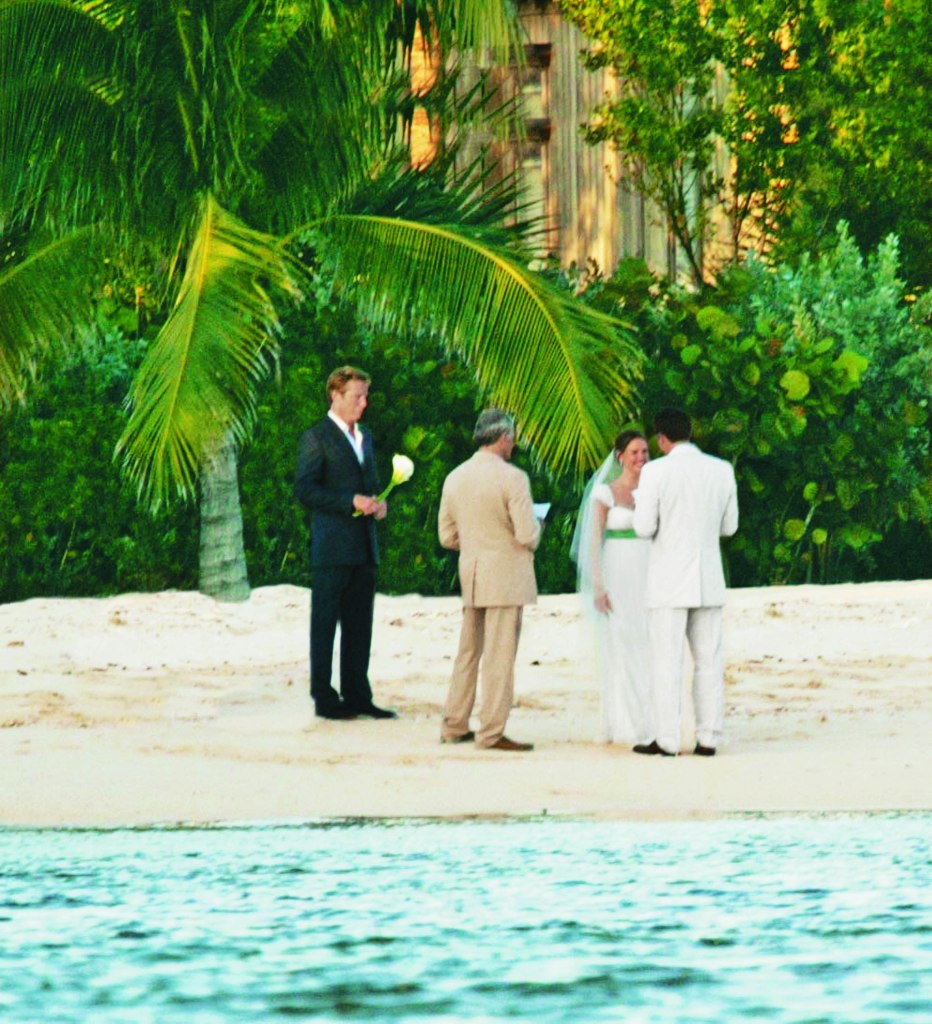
(785,920)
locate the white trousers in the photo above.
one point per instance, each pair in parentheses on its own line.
(702,628)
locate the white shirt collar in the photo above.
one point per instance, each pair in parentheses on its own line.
(342,424)
(355,439)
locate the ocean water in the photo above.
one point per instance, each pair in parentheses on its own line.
(786,919)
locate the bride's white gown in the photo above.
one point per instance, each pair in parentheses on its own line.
(624,645)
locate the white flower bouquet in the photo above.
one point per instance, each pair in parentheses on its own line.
(402,471)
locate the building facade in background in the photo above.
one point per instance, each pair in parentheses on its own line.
(582,195)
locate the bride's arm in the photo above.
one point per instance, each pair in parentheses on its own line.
(599,597)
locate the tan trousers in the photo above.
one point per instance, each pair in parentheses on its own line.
(489,635)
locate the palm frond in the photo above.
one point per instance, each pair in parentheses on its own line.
(56,103)
(566,371)
(42,299)
(463,184)
(323,101)
(476,205)
(476,27)
(197,381)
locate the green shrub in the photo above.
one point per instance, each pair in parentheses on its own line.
(814,382)
(421,404)
(69,526)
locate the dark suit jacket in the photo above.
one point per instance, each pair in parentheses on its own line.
(327,477)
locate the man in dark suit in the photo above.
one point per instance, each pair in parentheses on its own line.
(336,478)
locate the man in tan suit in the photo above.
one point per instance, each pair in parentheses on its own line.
(486,514)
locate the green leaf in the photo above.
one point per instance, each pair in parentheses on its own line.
(857,536)
(819,536)
(731,423)
(750,374)
(718,323)
(762,446)
(753,481)
(852,365)
(794,529)
(690,354)
(841,447)
(793,421)
(849,493)
(796,384)
(811,491)
(762,325)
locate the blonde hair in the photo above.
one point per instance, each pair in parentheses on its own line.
(341,376)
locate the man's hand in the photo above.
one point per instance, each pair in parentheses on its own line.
(381,509)
(367,506)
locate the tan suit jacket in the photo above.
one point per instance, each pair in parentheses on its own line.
(486,513)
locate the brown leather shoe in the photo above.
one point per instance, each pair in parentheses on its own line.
(465,738)
(506,744)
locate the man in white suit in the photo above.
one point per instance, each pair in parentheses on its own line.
(685,502)
(486,514)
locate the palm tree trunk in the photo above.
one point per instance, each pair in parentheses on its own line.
(222,567)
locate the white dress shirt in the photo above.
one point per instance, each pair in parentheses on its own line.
(354,436)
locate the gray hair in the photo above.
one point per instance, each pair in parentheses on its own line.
(491,425)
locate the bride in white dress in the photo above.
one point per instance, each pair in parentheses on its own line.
(612,564)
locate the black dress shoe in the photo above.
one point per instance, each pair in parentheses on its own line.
(652,748)
(336,712)
(373,711)
(704,751)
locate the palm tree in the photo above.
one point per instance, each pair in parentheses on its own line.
(208,138)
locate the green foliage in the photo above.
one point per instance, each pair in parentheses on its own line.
(822,106)
(665,119)
(68,525)
(814,382)
(214,139)
(225,132)
(423,404)
(71,528)
(862,104)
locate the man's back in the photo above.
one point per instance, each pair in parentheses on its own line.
(486,514)
(685,502)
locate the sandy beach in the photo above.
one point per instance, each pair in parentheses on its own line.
(172,708)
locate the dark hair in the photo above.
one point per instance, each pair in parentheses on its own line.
(625,438)
(341,376)
(674,424)
(491,425)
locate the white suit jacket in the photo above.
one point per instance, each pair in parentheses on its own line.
(684,503)
(486,514)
